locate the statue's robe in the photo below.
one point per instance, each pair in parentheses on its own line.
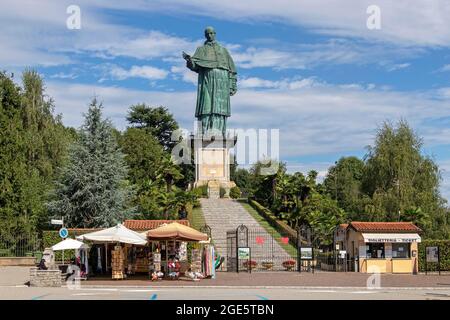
(216,81)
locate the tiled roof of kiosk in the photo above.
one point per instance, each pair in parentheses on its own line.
(142,225)
(384,226)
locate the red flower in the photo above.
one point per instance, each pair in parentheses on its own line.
(252,263)
(288,263)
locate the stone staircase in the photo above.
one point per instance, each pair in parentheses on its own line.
(214,190)
(222,215)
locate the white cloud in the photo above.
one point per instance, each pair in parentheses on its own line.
(152,45)
(35,33)
(146,72)
(334,51)
(398,66)
(418,23)
(291,84)
(445,68)
(62,75)
(444,166)
(186,74)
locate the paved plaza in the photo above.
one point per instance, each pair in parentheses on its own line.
(230,285)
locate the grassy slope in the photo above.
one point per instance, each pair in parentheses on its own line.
(198,221)
(290,249)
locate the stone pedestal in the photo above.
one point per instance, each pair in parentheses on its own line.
(212,163)
(45,278)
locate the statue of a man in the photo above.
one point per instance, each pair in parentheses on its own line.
(216,83)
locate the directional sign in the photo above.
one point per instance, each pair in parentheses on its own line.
(63,233)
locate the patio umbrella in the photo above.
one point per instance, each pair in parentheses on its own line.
(69,244)
(176,231)
(118,233)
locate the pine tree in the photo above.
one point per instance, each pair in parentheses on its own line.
(92,190)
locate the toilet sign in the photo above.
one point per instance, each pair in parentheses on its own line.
(63,233)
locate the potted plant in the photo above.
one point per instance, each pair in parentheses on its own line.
(250,264)
(288,264)
(267,265)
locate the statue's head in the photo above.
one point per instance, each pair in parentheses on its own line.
(210,34)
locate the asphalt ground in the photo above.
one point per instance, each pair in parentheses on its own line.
(222,293)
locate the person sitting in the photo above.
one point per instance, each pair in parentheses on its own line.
(42,265)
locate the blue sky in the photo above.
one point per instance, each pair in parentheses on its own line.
(309,68)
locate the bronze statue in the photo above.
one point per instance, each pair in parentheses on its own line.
(217,80)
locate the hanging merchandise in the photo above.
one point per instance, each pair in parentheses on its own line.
(99,260)
(208,261)
(183,251)
(157,261)
(86,261)
(212,263)
(117,262)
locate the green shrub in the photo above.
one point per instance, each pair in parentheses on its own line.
(201,192)
(222,192)
(444,254)
(235,192)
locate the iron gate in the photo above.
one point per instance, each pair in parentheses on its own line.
(268,250)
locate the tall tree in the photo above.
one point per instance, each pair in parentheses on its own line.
(33,144)
(158,121)
(15,183)
(46,137)
(92,190)
(399,178)
(343,183)
(143,154)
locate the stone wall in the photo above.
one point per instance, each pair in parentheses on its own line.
(45,278)
(17,261)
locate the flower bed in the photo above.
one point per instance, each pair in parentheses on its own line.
(288,264)
(267,265)
(250,264)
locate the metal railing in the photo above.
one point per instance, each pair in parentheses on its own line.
(23,245)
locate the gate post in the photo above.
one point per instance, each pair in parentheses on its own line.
(299,242)
(242,228)
(237,250)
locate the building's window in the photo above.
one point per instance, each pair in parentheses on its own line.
(400,250)
(375,250)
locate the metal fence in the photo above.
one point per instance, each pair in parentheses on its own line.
(22,245)
(258,249)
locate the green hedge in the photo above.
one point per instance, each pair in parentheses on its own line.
(444,253)
(279,225)
(201,192)
(235,193)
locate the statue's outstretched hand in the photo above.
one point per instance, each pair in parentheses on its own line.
(186,56)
